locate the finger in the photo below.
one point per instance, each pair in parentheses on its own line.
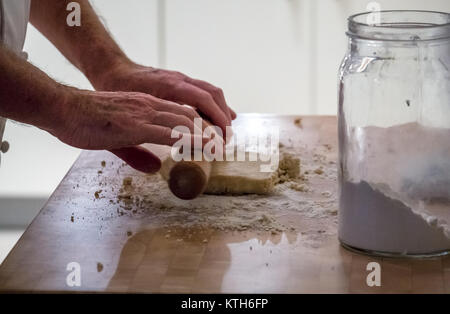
(215,92)
(202,100)
(139,158)
(175,108)
(233,114)
(204,122)
(172,121)
(188,111)
(162,135)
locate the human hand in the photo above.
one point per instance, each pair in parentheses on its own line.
(119,121)
(169,85)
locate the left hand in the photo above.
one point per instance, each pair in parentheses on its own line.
(169,85)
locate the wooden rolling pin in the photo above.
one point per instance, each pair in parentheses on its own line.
(186,179)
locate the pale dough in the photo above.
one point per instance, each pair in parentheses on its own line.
(232,177)
(237,177)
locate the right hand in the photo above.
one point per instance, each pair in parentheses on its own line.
(119,121)
(208,99)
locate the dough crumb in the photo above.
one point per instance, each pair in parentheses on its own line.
(99,267)
(97,194)
(318,171)
(288,168)
(298,122)
(299,187)
(127,181)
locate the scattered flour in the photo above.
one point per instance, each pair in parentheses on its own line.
(296,204)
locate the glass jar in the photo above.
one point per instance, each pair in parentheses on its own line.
(394,134)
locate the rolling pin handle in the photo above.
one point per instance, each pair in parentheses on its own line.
(188,180)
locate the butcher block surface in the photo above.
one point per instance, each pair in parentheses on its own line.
(124,244)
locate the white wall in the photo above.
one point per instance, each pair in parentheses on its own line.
(278,56)
(331,43)
(256,50)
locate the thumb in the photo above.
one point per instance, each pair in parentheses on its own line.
(138,158)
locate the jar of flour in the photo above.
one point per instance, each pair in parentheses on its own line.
(394,134)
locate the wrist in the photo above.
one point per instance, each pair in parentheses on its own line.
(100,69)
(59,107)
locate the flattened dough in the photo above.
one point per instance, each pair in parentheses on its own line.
(236,177)
(239,177)
(232,177)
(246,177)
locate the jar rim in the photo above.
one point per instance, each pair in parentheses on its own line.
(400,25)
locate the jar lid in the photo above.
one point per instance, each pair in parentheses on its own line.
(400,25)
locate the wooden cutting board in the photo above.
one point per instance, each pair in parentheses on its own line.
(120,248)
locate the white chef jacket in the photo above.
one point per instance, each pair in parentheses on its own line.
(14,15)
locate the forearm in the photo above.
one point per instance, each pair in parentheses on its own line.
(89,46)
(27,94)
